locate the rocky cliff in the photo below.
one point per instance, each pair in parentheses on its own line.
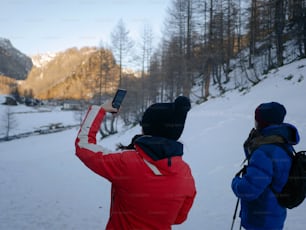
(13,63)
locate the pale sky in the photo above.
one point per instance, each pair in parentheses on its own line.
(40,26)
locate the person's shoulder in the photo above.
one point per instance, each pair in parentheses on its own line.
(273,151)
(262,155)
(180,163)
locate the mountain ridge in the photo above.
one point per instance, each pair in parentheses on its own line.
(63,75)
(13,63)
(70,74)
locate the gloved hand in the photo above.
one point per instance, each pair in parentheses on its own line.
(247,145)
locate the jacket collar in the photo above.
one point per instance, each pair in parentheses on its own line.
(158,148)
(286,131)
(274,134)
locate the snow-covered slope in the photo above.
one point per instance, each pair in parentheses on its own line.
(44,186)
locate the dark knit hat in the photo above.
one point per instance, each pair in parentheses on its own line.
(166,119)
(272,113)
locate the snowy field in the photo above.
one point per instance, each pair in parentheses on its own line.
(44,186)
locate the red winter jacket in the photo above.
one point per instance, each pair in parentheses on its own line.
(146,193)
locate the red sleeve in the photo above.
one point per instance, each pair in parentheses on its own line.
(183,213)
(91,154)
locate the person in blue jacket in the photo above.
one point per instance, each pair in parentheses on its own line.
(267,170)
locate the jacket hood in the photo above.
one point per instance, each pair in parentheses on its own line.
(287,131)
(162,152)
(282,133)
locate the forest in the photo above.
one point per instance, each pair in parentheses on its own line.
(204,41)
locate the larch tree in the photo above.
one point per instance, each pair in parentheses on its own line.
(121,46)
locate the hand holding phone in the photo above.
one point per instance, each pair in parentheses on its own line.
(119,96)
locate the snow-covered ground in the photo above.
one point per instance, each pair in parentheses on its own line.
(44,186)
(26,119)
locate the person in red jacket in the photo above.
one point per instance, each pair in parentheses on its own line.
(152,187)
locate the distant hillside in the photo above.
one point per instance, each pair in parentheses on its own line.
(13,63)
(72,74)
(6,84)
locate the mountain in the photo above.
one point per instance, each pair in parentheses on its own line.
(71,74)
(13,63)
(39,60)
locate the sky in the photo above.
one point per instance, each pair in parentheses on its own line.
(40,26)
(43,185)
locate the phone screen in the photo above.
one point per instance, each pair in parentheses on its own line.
(120,94)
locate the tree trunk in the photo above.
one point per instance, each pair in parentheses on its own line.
(279,27)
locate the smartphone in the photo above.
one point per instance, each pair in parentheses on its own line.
(119,96)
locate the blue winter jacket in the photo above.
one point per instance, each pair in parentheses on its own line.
(268,167)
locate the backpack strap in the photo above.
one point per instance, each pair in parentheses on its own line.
(290,153)
(285,147)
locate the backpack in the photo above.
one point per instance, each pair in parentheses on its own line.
(294,191)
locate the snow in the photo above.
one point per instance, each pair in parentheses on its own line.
(39,60)
(43,185)
(28,120)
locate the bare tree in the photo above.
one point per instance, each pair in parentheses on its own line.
(146,53)
(121,45)
(209,62)
(253,31)
(178,47)
(231,19)
(297,19)
(279,30)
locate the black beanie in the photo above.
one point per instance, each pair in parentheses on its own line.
(272,113)
(166,119)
